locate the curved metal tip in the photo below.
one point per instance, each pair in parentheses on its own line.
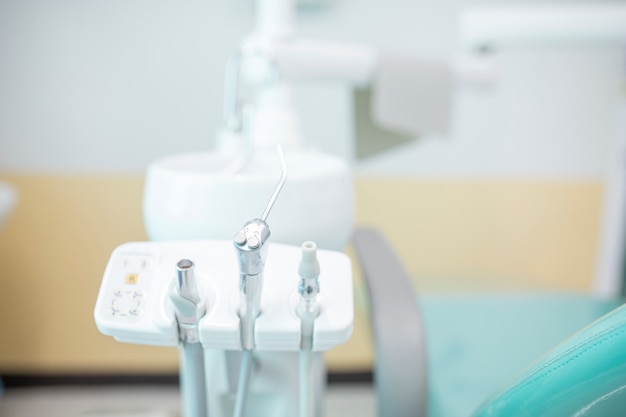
(279,186)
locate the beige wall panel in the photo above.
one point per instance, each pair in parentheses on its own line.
(53,253)
(517,235)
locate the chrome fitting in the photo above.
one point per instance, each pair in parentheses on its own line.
(188,303)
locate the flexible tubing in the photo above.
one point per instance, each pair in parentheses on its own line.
(193,386)
(245,371)
(306,393)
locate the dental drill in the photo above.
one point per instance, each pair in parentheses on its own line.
(250,245)
(189,309)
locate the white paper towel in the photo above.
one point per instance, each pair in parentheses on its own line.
(412,95)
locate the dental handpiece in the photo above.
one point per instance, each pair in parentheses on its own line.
(250,244)
(186,279)
(190,308)
(252,252)
(308,288)
(308,310)
(188,304)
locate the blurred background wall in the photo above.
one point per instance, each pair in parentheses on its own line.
(92,91)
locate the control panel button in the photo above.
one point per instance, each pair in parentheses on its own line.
(143,263)
(240,239)
(131,279)
(254,242)
(126,304)
(126,262)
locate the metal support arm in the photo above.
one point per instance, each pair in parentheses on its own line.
(400,364)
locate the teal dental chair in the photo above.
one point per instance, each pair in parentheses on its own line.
(481,355)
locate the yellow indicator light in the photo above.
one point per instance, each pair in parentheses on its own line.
(132,278)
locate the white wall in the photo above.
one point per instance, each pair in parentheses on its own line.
(108,86)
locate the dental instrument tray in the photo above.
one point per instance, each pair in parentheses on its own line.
(133,304)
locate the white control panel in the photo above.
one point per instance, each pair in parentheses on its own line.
(130,302)
(133,303)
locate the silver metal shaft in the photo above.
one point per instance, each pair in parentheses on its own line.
(250,307)
(187,287)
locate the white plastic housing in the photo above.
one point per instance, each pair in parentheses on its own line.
(206,196)
(131,303)
(306,60)
(148,269)
(275,18)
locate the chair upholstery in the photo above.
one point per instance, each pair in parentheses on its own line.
(585,376)
(479,343)
(475,344)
